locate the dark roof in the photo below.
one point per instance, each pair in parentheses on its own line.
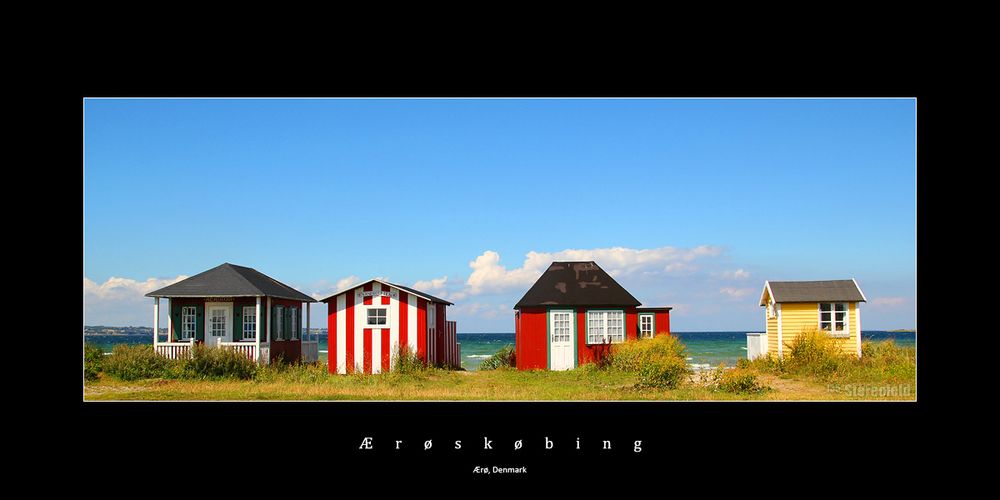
(230,280)
(576,284)
(406,289)
(814,291)
(653,308)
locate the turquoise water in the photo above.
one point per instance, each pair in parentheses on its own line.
(703,348)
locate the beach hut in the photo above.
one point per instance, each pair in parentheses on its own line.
(791,307)
(572,315)
(239,308)
(367,324)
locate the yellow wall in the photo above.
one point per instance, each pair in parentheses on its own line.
(772,332)
(796,317)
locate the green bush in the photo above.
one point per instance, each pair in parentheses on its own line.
(93,360)
(659,362)
(504,358)
(740,380)
(406,361)
(814,352)
(135,362)
(210,363)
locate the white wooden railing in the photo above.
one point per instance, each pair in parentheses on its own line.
(248,349)
(310,351)
(174,350)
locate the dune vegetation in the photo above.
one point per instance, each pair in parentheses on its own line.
(651,369)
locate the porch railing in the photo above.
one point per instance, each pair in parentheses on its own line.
(174,350)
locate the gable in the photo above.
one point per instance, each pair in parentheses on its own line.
(576,284)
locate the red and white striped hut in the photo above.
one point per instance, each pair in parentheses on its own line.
(368,322)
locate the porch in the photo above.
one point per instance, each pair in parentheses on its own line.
(217,331)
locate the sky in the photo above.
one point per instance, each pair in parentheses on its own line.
(688,203)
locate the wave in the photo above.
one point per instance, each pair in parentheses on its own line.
(478,356)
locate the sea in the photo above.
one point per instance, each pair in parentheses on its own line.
(704,349)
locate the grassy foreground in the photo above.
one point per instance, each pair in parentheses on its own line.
(645,370)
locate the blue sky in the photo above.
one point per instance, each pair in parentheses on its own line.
(692,203)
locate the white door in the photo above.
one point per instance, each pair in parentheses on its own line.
(219,323)
(561,337)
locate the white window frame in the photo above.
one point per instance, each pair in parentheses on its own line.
(652,322)
(388,321)
(832,323)
(598,334)
(186,333)
(249,319)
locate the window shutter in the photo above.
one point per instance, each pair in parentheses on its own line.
(199,329)
(175,318)
(237,323)
(274,323)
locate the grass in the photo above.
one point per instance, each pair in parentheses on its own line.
(625,376)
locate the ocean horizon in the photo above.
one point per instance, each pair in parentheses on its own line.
(704,349)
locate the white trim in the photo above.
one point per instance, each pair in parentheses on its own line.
(341,362)
(243,324)
(385,283)
(412,310)
(652,321)
(780,336)
(388,315)
(170,321)
(194,328)
(156,322)
(859,289)
(257,330)
(857,311)
(767,288)
(833,332)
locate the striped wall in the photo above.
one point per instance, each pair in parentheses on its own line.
(359,348)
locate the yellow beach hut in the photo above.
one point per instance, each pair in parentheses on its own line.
(792,307)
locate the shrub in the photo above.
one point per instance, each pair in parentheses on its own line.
(814,352)
(208,362)
(134,362)
(737,380)
(504,358)
(93,360)
(659,362)
(406,361)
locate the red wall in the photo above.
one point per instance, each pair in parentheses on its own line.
(290,350)
(531,337)
(530,340)
(663,322)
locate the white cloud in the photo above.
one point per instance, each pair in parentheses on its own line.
(738,274)
(480,311)
(737,293)
(121,301)
(489,276)
(432,284)
(345,283)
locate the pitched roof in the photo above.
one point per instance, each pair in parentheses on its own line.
(230,280)
(576,284)
(406,289)
(813,291)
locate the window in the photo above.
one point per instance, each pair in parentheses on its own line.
(217,323)
(188,322)
(249,323)
(646,326)
(295,323)
(605,326)
(833,317)
(279,322)
(378,316)
(561,326)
